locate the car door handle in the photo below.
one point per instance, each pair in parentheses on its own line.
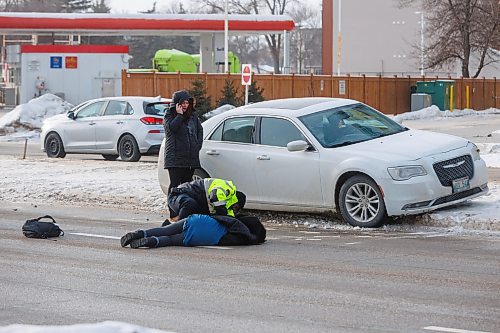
(212,152)
(91,124)
(263,158)
(119,122)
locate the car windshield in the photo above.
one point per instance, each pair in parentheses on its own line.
(156,109)
(349,124)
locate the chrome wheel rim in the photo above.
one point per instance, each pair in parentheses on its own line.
(362,202)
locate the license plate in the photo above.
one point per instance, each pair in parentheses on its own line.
(461,184)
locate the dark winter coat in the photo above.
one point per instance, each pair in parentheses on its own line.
(238,231)
(183,139)
(194,189)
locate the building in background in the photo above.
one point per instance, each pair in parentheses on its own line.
(74,72)
(378,38)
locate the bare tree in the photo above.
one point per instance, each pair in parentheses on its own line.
(460,30)
(306,38)
(273,7)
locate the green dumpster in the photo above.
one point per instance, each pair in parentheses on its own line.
(440,91)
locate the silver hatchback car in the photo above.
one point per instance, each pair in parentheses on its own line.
(126,127)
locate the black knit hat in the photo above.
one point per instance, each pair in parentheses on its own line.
(180,96)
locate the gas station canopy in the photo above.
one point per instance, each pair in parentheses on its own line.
(140,24)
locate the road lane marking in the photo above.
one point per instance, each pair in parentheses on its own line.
(216,247)
(450,330)
(93,235)
(353,243)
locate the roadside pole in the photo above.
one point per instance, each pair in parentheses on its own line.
(246,78)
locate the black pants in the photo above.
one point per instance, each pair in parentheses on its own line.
(182,205)
(177,177)
(171,235)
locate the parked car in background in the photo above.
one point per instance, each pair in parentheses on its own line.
(323,154)
(126,127)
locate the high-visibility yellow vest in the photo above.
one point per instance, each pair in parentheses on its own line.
(220,192)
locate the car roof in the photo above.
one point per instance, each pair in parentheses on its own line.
(294,107)
(134,98)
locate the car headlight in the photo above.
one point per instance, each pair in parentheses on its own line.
(406,172)
(474,151)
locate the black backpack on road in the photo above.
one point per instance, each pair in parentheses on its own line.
(35,228)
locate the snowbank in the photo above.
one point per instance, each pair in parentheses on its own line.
(30,116)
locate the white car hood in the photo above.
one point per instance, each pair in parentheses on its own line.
(409,145)
(57,117)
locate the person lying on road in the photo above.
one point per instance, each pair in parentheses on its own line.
(200,230)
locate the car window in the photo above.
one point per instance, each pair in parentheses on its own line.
(239,129)
(91,110)
(278,132)
(116,108)
(349,124)
(156,109)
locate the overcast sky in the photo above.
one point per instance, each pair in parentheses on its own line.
(134,6)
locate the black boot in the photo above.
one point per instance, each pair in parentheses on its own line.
(130,236)
(144,242)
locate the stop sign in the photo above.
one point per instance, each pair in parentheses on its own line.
(246,74)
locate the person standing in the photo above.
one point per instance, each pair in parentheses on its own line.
(183,139)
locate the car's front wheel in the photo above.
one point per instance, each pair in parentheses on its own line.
(54,146)
(128,149)
(110,157)
(361,202)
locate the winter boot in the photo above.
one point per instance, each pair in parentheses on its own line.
(144,242)
(130,236)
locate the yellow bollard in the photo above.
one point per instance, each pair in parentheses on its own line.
(467,97)
(451,98)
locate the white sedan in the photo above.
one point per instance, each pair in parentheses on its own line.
(324,154)
(125,127)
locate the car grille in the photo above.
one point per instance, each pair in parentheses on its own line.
(456,196)
(455,168)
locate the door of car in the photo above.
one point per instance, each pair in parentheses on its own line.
(80,133)
(284,177)
(228,153)
(111,123)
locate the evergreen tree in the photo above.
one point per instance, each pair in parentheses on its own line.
(99,6)
(75,6)
(229,95)
(254,93)
(203,101)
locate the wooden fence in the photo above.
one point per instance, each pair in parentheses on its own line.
(391,95)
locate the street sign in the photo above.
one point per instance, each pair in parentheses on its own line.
(246,74)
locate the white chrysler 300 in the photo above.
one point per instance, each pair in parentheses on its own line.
(323,154)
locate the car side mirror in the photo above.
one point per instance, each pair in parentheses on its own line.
(298,145)
(71,115)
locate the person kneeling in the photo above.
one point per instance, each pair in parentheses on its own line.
(200,230)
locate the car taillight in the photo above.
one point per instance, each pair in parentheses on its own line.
(152,120)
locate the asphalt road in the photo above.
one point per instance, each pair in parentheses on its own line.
(298,281)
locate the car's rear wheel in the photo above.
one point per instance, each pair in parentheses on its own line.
(200,174)
(128,149)
(110,157)
(361,202)
(54,146)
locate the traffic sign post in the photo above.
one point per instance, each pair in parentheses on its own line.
(246,78)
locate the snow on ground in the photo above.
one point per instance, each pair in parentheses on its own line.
(104,327)
(134,185)
(28,117)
